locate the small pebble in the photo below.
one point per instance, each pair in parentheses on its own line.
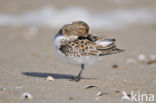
(153,57)
(27,96)
(3,89)
(35,55)
(50,78)
(142,57)
(115,66)
(151,62)
(90,86)
(99,94)
(71,98)
(117,91)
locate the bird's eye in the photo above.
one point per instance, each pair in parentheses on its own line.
(87,29)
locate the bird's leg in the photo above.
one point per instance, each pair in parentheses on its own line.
(79,75)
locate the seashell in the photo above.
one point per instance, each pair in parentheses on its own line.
(99,94)
(50,78)
(27,96)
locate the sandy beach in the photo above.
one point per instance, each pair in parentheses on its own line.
(27,58)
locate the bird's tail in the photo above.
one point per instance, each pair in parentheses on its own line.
(113,51)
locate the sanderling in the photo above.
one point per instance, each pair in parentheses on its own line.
(75,45)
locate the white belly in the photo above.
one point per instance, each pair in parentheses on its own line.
(87,60)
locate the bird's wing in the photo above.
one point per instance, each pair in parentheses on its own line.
(79,47)
(89,46)
(100,46)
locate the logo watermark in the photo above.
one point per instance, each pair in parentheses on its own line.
(138,97)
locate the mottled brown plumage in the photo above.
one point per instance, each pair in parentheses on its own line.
(86,46)
(77,28)
(75,45)
(81,27)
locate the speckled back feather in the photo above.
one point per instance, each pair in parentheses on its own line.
(89,46)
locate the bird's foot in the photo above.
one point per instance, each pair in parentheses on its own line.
(76,79)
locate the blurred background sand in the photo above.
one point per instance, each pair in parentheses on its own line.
(27,57)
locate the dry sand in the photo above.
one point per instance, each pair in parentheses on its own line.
(27,60)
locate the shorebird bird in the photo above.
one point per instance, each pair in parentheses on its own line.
(75,45)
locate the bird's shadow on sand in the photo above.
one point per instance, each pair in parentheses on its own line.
(54,75)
